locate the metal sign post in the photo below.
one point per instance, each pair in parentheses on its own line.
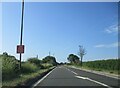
(20,48)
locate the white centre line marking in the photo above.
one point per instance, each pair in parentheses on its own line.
(93,81)
(99,83)
(72,71)
(81,77)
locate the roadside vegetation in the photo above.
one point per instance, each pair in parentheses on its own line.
(111,65)
(33,67)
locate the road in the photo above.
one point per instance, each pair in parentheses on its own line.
(65,76)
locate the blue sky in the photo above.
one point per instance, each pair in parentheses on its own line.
(60,28)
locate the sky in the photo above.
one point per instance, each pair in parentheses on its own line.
(60,27)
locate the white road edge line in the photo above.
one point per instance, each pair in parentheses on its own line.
(43,78)
(94,81)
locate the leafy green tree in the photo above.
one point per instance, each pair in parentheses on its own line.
(50,59)
(73,58)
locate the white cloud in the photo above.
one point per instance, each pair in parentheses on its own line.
(115,44)
(100,45)
(112,29)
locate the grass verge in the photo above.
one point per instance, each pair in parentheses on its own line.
(24,79)
(114,72)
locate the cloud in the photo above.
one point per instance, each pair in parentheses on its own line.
(112,29)
(100,45)
(116,44)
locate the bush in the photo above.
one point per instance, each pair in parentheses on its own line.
(36,62)
(10,66)
(28,67)
(47,65)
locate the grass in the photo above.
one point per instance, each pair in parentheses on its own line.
(102,70)
(95,69)
(23,78)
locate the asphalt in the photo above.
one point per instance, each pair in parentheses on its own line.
(70,77)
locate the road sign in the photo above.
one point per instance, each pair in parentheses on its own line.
(20,48)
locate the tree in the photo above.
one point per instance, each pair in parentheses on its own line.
(50,59)
(81,52)
(5,53)
(73,58)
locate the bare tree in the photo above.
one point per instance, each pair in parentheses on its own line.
(81,52)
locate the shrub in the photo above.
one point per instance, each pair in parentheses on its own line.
(10,66)
(47,65)
(28,67)
(37,62)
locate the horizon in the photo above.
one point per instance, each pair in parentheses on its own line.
(60,28)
